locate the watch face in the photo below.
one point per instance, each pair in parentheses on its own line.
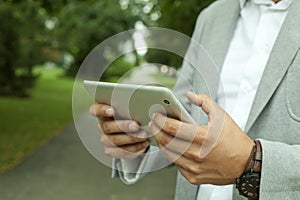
(248,185)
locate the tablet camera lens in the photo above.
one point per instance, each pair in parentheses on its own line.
(166,101)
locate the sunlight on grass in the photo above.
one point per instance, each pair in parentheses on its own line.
(25,124)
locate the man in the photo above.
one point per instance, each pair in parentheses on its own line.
(255,44)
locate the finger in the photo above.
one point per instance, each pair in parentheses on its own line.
(118,126)
(202,100)
(196,172)
(160,136)
(187,149)
(154,129)
(175,128)
(117,152)
(183,162)
(123,139)
(136,147)
(102,110)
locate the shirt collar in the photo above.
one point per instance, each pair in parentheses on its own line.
(281,5)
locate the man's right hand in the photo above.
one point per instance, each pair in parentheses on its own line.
(120,138)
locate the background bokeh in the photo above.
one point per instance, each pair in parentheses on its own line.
(42,45)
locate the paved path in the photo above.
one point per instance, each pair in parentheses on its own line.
(64,170)
(142,75)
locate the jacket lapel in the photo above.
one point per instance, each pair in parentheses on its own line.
(280,59)
(223,29)
(219,29)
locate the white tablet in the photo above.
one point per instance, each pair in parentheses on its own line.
(138,102)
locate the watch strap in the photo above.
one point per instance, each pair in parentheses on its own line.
(257,160)
(249,183)
(250,161)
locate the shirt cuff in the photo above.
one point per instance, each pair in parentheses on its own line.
(130,171)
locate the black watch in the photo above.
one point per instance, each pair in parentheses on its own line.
(248,184)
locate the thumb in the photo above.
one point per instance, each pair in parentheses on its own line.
(202,100)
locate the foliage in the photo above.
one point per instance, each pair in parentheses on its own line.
(8,49)
(83,25)
(34,32)
(33,29)
(38,118)
(116,69)
(21,41)
(178,15)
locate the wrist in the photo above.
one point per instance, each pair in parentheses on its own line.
(246,154)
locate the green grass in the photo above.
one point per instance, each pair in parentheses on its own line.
(26,124)
(165,80)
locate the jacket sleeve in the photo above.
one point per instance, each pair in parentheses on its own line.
(281,167)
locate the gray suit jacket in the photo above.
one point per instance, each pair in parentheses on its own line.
(275,114)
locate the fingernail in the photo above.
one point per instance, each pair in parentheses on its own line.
(153,116)
(143,135)
(133,126)
(192,96)
(109,111)
(189,93)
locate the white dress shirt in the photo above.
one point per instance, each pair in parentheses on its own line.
(254,37)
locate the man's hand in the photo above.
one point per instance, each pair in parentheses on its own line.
(215,153)
(120,138)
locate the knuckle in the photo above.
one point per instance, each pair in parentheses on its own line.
(97,110)
(101,109)
(195,170)
(163,140)
(200,136)
(206,97)
(192,155)
(103,140)
(192,180)
(198,139)
(106,127)
(108,152)
(171,126)
(114,140)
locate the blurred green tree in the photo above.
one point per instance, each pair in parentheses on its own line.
(82,25)
(33,31)
(178,15)
(21,41)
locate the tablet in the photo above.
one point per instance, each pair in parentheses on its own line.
(138,102)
